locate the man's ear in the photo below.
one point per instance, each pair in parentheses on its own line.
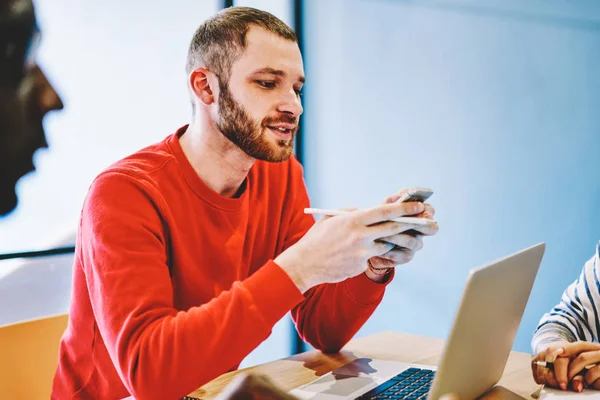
(200,85)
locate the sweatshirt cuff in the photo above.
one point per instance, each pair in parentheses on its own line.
(364,291)
(273,291)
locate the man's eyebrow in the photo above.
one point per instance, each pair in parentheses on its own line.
(278,72)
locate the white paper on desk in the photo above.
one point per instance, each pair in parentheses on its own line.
(551,394)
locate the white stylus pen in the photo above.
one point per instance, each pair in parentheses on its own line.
(402,220)
(550,365)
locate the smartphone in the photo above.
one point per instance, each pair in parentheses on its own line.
(417,195)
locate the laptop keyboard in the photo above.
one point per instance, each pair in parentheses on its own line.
(412,384)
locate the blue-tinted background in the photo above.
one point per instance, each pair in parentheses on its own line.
(494,104)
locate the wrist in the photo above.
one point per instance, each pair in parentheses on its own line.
(292,269)
(378,275)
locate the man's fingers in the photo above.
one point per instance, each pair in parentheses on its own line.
(388,212)
(381,262)
(395,197)
(396,256)
(405,241)
(427,230)
(379,249)
(390,228)
(429,212)
(384,229)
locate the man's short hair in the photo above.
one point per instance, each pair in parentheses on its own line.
(221,39)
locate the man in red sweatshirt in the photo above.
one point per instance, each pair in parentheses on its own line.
(190,250)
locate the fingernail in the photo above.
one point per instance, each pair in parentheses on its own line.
(579,386)
(563,386)
(418,208)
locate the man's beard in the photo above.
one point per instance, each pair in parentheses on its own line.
(249,135)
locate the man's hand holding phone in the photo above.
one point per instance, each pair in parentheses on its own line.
(344,243)
(407,243)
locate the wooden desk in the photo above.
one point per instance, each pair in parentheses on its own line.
(516,383)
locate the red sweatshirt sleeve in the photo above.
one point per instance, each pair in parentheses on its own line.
(160,352)
(330,314)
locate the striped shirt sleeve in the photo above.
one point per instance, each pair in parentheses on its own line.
(576,317)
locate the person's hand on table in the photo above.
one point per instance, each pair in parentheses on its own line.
(574,366)
(253,387)
(579,363)
(544,375)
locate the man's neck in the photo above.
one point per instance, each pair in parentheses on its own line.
(219,163)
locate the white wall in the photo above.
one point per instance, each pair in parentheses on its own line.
(494,104)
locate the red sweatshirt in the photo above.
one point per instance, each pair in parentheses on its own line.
(174,284)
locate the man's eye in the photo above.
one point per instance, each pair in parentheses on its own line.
(266,84)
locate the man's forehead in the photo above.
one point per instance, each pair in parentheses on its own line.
(260,37)
(266,48)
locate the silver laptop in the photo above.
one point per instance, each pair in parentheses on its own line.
(476,351)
